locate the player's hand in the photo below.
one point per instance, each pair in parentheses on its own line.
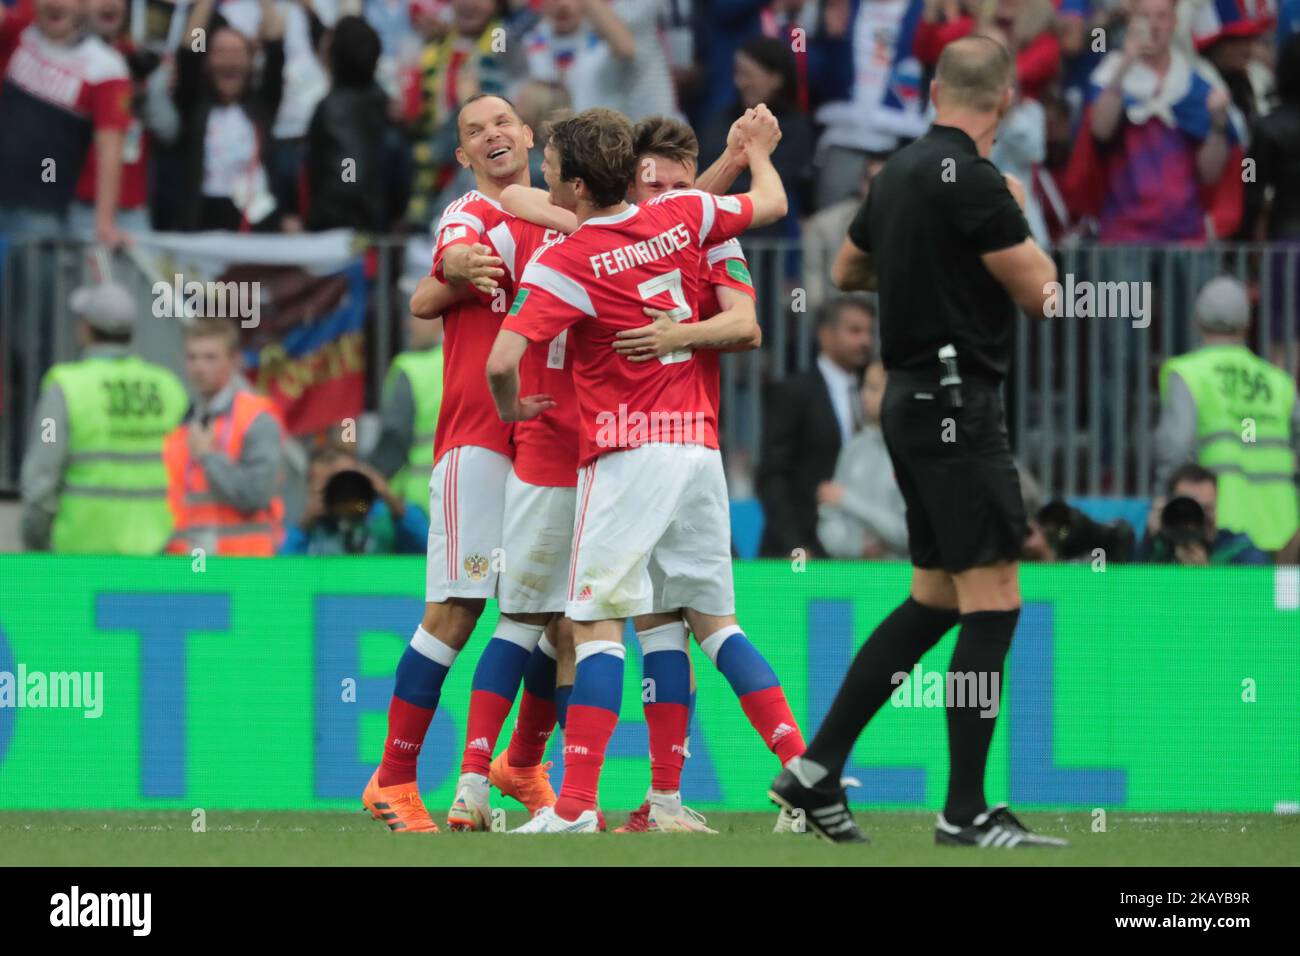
(476,266)
(830,493)
(738,134)
(765,131)
(1017,189)
(662,336)
(530,406)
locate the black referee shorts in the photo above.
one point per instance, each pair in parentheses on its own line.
(964,508)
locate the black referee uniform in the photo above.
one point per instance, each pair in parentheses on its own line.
(933,210)
(946,329)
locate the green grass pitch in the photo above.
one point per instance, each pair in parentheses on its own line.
(352,839)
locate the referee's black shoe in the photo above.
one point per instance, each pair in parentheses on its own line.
(824,807)
(996,827)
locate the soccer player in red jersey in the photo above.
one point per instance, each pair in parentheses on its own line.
(651,492)
(472,455)
(667,152)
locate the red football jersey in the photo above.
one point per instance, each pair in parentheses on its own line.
(468,415)
(546,447)
(723,264)
(597,281)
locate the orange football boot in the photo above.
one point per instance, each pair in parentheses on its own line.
(531,786)
(399,806)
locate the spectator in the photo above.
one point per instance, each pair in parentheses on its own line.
(823,234)
(404,26)
(1023,26)
(765,73)
(472,57)
(807,419)
(1151,161)
(409,413)
(304,84)
(93,480)
(1186,531)
(721,28)
(64,89)
(861,513)
(1227,37)
(354,151)
(606,53)
(153,114)
(223,463)
(226,121)
(1227,410)
(1273,197)
(352,510)
(1019,150)
(1274,192)
(861,61)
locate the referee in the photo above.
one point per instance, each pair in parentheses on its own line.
(943,236)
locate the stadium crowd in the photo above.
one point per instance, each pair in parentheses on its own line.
(1134,124)
(267,116)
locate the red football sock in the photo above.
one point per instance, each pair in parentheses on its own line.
(667,724)
(407,725)
(533,729)
(771,716)
(586,735)
(487,712)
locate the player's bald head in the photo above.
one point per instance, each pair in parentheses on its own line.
(974,73)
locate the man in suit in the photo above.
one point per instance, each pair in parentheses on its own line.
(806,420)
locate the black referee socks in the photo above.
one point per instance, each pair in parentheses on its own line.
(981,651)
(894,647)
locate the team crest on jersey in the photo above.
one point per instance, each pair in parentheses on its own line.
(476,566)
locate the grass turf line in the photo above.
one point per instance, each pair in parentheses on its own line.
(277,838)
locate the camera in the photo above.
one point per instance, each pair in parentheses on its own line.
(1072,534)
(1182,521)
(348,497)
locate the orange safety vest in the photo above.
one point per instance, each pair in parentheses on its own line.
(196,508)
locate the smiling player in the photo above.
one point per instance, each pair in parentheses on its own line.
(639,420)
(472,452)
(667,152)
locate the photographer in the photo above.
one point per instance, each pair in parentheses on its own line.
(1183,530)
(352,510)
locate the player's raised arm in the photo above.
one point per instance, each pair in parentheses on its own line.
(718,178)
(528,202)
(766,192)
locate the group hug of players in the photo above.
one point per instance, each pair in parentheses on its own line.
(577,477)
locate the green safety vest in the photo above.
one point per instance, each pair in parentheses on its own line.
(114,495)
(424,371)
(1233,388)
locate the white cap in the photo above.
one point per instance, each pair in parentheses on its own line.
(1222,305)
(108,307)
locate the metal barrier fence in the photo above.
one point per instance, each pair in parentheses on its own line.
(1082,396)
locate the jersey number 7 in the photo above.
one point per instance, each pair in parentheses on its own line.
(670,282)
